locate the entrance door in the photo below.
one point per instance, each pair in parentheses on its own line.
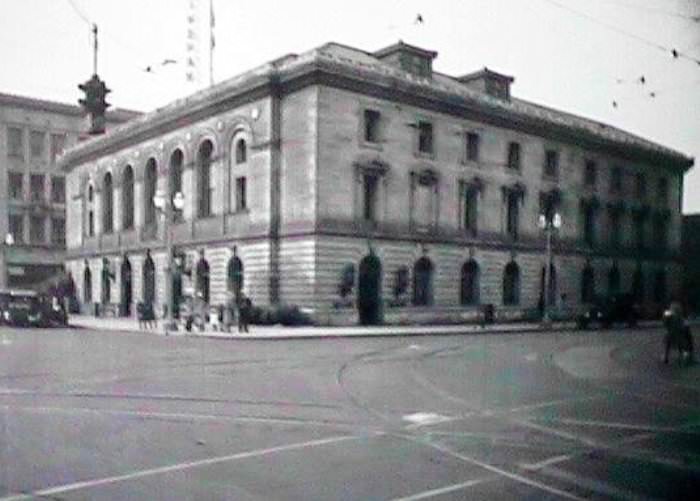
(126,287)
(369,291)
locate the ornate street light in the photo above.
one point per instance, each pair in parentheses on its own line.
(548,223)
(167,207)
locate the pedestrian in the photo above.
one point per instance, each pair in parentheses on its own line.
(229,313)
(141,315)
(214,320)
(678,333)
(245,306)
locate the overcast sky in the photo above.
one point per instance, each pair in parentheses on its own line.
(575,55)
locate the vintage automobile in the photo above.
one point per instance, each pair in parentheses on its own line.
(609,310)
(28,308)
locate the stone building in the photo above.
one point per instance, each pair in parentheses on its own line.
(33,133)
(691,264)
(366,187)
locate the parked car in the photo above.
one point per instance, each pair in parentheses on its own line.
(609,310)
(30,309)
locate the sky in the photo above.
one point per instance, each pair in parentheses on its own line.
(586,57)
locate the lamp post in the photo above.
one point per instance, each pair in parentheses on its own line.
(9,242)
(165,206)
(549,225)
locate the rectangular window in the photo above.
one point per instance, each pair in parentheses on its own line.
(36,230)
(641,185)
(591,174)
(470,216)
(551,164)
(36,187)
(241,202)
(58,144)
(17,228)
(615,230)
(16,180)
(662,191)
(58,190)
(369,208)
(589,225)
(512,216)
(514,156)
(58,231)
(15,142)
(616,180)
(472,147)
(372,121)
(36,144)
(425,137)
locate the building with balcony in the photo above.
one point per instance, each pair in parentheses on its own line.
(33,133)
(367,187)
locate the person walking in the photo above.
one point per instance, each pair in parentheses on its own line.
(677,333)
(244,309)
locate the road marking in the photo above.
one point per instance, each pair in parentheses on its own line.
(551,403)
(426,418)
(51,491)
(180,415)
(444,490)
(499,471)
(622,426)
(593,485)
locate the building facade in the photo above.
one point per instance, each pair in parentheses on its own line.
(691,266)
(33,134)
(366,187)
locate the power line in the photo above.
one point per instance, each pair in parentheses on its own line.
(80,13)
(676,54)
(656,10)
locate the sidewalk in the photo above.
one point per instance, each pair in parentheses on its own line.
(282,332)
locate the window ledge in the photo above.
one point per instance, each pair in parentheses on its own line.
(372,145)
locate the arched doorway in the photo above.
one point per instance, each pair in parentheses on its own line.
(235,276)
(423,282)
(469,290)
(202,282)
(126,291)
(106,282)
(149,280)
(369,291)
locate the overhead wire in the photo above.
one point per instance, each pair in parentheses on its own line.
(654,10)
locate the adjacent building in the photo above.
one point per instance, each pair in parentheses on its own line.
(33,134)
(691,263)
(367,187)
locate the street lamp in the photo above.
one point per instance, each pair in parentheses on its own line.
(548,224)
(9,242)
(167,207)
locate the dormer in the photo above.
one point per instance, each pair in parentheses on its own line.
(409,58)
(489,82)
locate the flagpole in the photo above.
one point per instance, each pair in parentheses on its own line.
(211,42)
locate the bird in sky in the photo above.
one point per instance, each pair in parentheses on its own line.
(674,53)
(642,80)
(614,104)
(419,19)
(168,61)
(148,69)
(652,94)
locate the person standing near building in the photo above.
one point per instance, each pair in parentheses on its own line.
(244,307)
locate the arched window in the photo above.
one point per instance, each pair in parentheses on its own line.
(511,284)
(235,275)
(87,285)
(150,179)
(587,285)
(638,284)
(204,188)
(106,282)
(423,282)
(128,198)
(107,204)
(469,291)
(660,292)
(149,280)
(175,179)
(241,151)
(90,211)
(613,280)
(202,282)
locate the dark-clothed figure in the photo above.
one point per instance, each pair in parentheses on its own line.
(244,309)
(677,333)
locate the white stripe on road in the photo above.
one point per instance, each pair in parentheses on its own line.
(621,426)
(444,490)
(499,471)
(177,467)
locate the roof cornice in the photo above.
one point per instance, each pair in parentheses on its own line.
(320,66)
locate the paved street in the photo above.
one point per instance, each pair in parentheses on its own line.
(575,415)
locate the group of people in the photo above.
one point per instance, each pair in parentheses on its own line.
(196,313)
